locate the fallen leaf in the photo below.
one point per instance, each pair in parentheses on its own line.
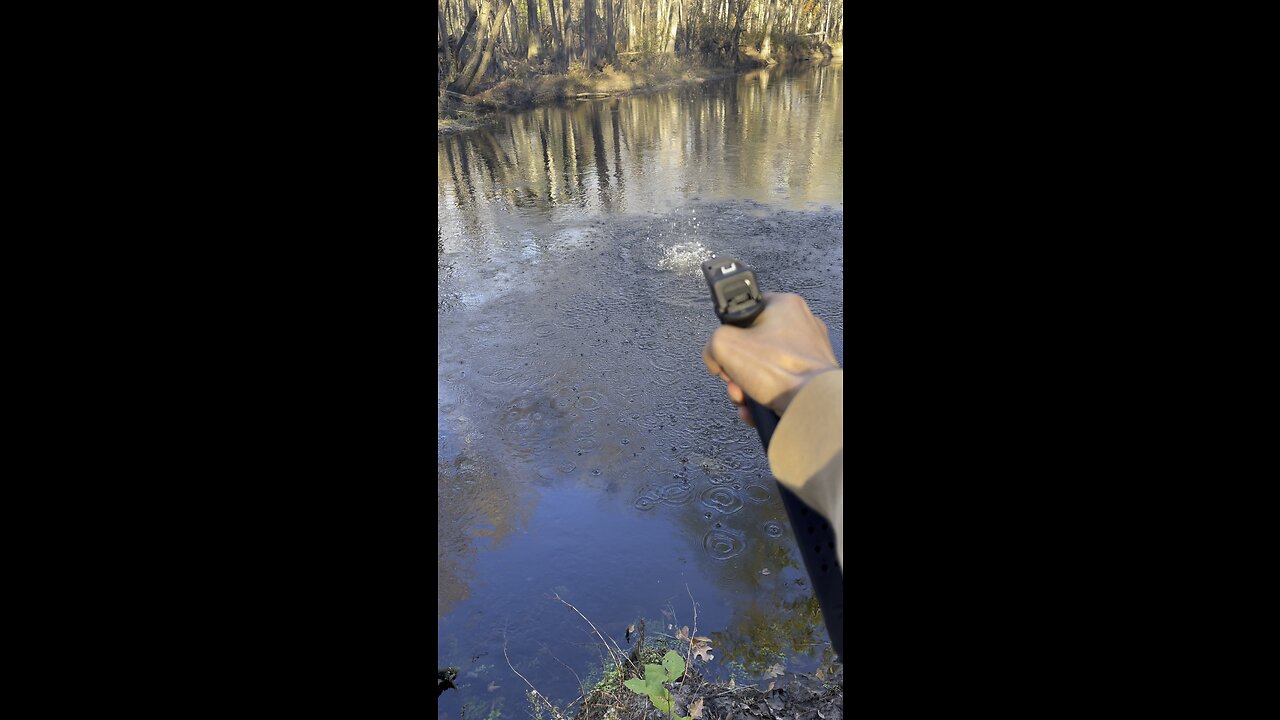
(819,674)
(695,710)
(774,671)
(683,633)
(731,683)
(702,649)
(770,688)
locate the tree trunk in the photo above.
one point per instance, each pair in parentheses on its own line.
(588,32)
(486,40)
(567,24)
(467,34)
(535,32)
(765,48)
(674,19)
(660,24)
(483,26)
(444,37)
(502,12)
(513,31)
(631,27)
(737,26)
(557,35)
(609,48)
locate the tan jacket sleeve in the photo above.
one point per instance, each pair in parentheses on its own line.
(807,450)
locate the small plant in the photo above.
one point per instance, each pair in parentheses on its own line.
(671,668)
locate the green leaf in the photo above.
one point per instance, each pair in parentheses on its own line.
(674,665)
(662,702)
(654,676)
(637,686)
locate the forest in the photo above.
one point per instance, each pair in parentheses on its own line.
(516,53)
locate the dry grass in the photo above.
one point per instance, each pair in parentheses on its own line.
(629,74)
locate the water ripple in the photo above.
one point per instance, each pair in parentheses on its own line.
(722,543)
(722,498)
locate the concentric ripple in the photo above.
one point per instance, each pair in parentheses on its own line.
(676,493)
(722,543)
(590,400)
(498,374)
(722,498)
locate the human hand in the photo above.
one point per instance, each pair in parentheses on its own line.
(772,359)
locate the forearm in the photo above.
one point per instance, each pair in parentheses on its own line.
(806,452)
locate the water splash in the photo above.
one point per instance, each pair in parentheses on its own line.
(684,258)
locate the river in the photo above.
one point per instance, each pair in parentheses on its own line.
(583,451)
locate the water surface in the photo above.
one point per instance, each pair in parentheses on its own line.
(583,450)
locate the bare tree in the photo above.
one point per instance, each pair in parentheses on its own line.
(535,39)
(768,29)
(673,25)
(557,36)
(588,32)
(478,62)
(444,37)
(609,49)
(568,32)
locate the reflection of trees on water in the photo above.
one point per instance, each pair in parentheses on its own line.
(774,616)
(767,134)
(767,631)
(472,502)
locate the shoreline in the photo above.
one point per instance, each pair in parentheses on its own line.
(457,113)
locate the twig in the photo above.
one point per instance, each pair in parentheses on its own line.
(688,653)
(620,656)
(732,691)
(552,708)
(581,685)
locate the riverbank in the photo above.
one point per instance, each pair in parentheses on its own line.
(677,689)
(633,74)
